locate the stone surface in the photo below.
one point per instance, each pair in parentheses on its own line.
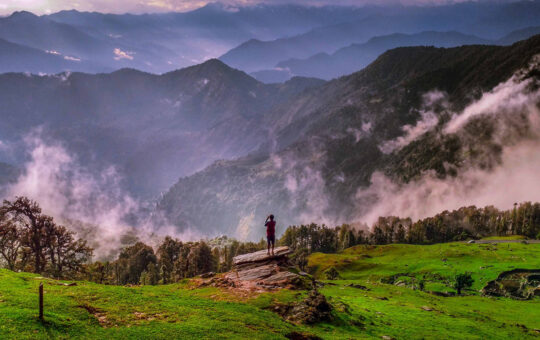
(260,271)
(313,309)
(521,284)
(261,256)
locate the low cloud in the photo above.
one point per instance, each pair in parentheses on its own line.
(71,58)
(513,108)
(428,120)
(119,54)
(92,204)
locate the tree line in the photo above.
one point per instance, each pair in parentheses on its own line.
(448,226)
(172,262)
(32,241)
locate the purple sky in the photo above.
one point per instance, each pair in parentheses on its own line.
(145,6)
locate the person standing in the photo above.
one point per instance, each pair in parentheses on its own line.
(270,225)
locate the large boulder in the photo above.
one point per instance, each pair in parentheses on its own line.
(260,271)
(313,309)
(261,256)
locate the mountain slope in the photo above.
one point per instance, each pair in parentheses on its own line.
(152,128)
(27,59)
(328,142)
(518,35)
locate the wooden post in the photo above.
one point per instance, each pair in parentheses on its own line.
(41,301)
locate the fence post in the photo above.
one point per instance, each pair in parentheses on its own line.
(41,301)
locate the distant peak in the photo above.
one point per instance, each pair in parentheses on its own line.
(213,61)
(22,15)
(252,41)
(219,7)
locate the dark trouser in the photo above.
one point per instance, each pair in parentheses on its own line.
(271,240)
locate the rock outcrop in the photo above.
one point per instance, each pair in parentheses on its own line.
(313,309)
(521,284)
(260,271)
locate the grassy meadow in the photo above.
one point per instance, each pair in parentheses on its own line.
(390,307)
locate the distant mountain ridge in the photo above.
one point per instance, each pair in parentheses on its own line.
(156,43)
(486,21)
(152,128)
(264,34)
(357,56)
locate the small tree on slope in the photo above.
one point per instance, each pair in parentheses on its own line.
(462,281)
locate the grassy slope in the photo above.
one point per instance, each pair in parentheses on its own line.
(170,311)
(402,315)
(177,311)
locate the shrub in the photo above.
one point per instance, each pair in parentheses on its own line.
(331,274)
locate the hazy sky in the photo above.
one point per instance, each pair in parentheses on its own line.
(142,6)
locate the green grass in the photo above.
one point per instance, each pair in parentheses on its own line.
(158,312)
(505,238)
(402,315)
(180,311)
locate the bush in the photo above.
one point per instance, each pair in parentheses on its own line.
(422,283)
(332,274)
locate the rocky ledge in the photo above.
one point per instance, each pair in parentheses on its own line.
(520,284)
(260,271)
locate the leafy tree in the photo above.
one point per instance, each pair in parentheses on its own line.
(462,281)
(36,238)
(168,253)
(66,255)
(400,234)
(133,261)
(28,214)
(200,259)
(150,276)
(299,257)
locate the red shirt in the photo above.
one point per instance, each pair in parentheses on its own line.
(270,228)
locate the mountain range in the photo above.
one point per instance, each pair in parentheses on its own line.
(355,57)
(153,128)
(157,43)
(328,150)
(486,21)
(250,38)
